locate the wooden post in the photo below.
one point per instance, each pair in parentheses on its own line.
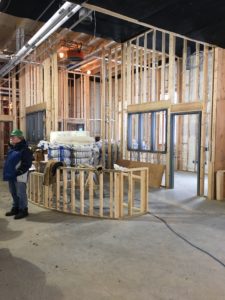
(220,185)
(14,104)
(143,191)
(163,66)
(58,189)
(55,97)
(171,98)
(81,192)
(101,186)
(197,71)
(111,194)
(130,193)
(116,102)
(137,72)
(217,149)
(153,94)
(65,200)
(204,119)
(103,83)
(47,97)
(73,187)
(145,69)
(91,193)
(110,111)
(117,199)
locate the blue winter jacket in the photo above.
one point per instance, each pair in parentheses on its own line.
(18,161)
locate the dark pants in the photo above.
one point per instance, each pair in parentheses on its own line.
(19,194)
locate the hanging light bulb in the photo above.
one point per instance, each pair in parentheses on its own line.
(89,72)
(61,55)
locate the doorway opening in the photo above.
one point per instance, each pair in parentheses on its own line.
(185,145)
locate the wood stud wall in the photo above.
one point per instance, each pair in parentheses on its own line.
(138,73)
(77,191)
(157,75)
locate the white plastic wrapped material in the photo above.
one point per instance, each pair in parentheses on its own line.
(61,152)
(82,148)
(71,137)
(66,160)
(81,154)
(81,161)
(43,144)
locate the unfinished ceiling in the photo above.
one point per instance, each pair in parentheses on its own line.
(202,20)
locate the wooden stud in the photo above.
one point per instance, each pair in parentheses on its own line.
(65,186)
(81,192)
(73,191)
(14,104)
(141,83)
(83,108)
(171,93)
(137,72)
(47,96)
(93,107)
(130,193)
(197,71)
(220,185)
(153,79)
(116,103)
(55,96)
(149,76)
(143,190)
(132,75)
(101,185)
(111,194)
(117,199)
(110,111)
(204,120)
(121,189)
(91,193)
(212,126)
(58,171)
(145,69)
(163,66)
(103,84)
(148,106)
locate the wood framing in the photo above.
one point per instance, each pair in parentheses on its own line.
(35,108)
(217,149)
(88,183)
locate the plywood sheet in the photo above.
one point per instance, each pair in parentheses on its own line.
(155,170)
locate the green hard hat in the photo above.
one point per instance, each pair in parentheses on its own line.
(17,132)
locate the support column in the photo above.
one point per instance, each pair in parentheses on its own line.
(217,134)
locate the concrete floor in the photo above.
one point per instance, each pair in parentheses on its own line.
(54,256)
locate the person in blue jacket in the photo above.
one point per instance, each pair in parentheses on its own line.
(18,161)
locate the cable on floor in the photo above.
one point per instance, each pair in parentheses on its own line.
(187,241)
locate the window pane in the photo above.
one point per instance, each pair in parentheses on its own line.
(133,131)
(146,131)
(160,131)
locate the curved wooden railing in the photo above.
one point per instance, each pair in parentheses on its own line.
(85,191)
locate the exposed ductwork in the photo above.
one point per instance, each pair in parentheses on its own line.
(60,17)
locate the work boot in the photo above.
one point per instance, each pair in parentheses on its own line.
(14,211)
(21,214)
